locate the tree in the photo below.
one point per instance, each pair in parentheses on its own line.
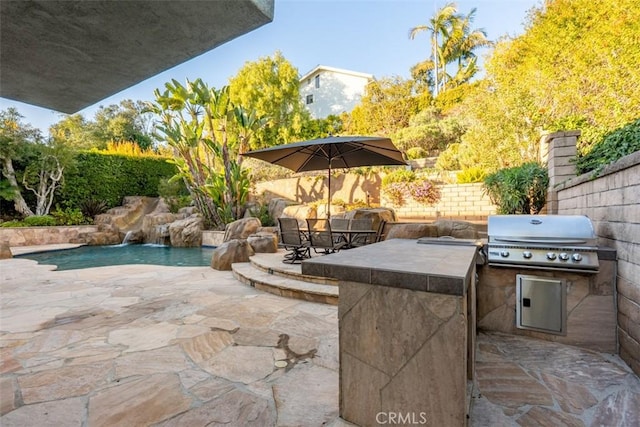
(270,86)
(574,68)
(386,106)
(116,123)
(206,131)
(125,122)
(15,137)
(452,41)
(76,132)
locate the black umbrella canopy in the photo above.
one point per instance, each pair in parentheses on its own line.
(332,152)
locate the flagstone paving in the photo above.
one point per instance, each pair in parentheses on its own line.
(142,345)
(191,346)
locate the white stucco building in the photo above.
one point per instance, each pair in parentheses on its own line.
(327,90)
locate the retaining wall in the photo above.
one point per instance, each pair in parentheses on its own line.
(458,201)
(30,236)
(612,202)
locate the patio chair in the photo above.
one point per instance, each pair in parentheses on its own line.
(339,224)
(381,233)
(293,241)
(361,239)
(321,237)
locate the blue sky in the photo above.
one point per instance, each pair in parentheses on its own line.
(369,36)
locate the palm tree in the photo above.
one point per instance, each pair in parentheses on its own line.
(439,24)
(452,40)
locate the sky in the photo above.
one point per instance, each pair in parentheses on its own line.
(368,36)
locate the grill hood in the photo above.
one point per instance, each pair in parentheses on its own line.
(558,229)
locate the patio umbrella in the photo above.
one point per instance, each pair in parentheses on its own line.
(330,153)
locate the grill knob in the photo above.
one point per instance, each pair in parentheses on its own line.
(576,257)
(551,255)
(527,254)
(563,256)
(504,254)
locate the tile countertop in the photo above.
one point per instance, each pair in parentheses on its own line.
(401,263)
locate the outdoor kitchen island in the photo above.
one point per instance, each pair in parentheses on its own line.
(407,331)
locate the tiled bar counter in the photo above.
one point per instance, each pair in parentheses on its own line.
(407,331)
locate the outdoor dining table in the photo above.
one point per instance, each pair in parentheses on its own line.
(340,232)
(350,234)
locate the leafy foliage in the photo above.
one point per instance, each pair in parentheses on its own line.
(109,178)
(398,175)
(207,131)
(386,107)
(261,211)
(471,175)
(32,221)
(518,190)
(92,207)
(429,131)
(396,192)
(615,145)
(270,87)
(424,192)
(68,216)
(452,41)
(576,66)
(174,193)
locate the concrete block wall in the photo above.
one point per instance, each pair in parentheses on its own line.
(458,201)
(557,150)
(612,202)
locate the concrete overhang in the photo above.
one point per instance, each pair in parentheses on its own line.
(67,55)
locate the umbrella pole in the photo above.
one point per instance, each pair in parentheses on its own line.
(329,191)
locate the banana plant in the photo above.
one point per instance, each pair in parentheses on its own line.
(205,128)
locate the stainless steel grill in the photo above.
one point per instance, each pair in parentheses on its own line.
(547,242)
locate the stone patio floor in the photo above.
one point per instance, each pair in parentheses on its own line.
(191,346)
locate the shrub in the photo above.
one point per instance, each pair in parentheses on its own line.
(424,192)
(32,221)
(93,207)
(174,193)
(615,145)
(395,192)
(449,159)
(261,211)
(416,153)
(112,177)
(398,175)
(68,216)
(471,175)
(518,190)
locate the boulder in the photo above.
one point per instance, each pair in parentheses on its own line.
(155,227)
(5,250)
(186,232)
(263,243)
(241,229)
(235,250)
(102,238)
(411,231)
(457,229)
(132,236)
(299,212)
(277,207)
(377,215)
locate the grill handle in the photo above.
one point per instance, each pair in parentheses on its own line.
(547,241)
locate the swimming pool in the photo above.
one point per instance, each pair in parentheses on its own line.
(100,256)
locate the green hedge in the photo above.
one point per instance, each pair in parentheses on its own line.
(109,178)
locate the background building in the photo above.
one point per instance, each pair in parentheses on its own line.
(327,90)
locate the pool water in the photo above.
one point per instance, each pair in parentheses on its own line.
(100,256)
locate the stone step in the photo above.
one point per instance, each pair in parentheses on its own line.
(253,276)
(273,265)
